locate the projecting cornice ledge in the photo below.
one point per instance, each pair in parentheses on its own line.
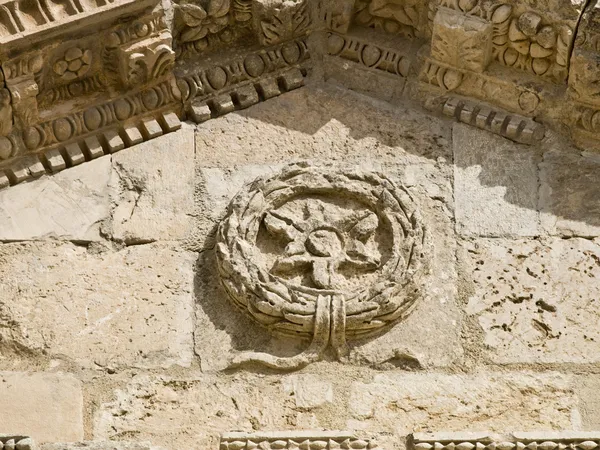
(83,78)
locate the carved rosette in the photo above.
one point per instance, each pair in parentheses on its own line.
(322,254)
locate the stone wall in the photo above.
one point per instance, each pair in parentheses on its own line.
(115,326)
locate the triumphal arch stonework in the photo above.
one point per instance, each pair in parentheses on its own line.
(299,224)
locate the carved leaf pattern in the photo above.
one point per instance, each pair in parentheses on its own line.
(199,22)
(300,20)
(273,30)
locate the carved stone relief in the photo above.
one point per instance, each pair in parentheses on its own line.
(323,255)
(325,440)
(134,76)
(515,441)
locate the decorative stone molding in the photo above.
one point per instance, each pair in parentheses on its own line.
(73,73)
(10,442)
(320,254)
(547,440)
(302,440)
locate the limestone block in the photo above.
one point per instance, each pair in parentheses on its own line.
(153,189)
(404,403)
(536,301)
(133,307)
(589,394)
(570,194)
(309,391)
(68,205)
(322,124)
(460,40)
(496,185)
(222,332)
(100,445)
(48,407)
(205,406)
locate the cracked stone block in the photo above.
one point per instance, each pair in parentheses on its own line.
(536,301)
(153,189)
(46,406)
(69,205)
(221,330)
(496,185)
(403,403)
(99,308)
(570,194)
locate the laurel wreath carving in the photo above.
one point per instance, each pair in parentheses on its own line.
(305,312)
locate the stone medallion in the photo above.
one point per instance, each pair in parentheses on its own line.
(321,254)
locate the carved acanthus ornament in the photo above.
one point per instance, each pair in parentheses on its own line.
(322,255)
(81,79)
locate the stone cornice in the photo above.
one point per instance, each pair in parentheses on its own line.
(80,79)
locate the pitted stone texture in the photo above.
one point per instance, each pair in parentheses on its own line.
(570,194)
(536,301)
(222,331)
(128,308)
(192,412)
(153,189)
(68,205)
(46,406)
(321,123)
(405,403)
(496,185)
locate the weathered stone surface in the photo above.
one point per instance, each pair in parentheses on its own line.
(133,307)
(570,194)
(153,189)
(48,407)
(366,403)
(308,391)
(322,123)
(100,445)
(496,185)
(69,205)
(403,403)
(588,391)
(536,301)
(158,408)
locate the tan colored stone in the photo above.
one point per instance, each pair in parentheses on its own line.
(100,445)
(156,408)
(570,194)
(496,185)
(309,391)
(46,406)
(133,307)
(536,300)
(153,189)
(321,123)
(69,205)
(402,403)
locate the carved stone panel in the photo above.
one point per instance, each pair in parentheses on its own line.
(321,254)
